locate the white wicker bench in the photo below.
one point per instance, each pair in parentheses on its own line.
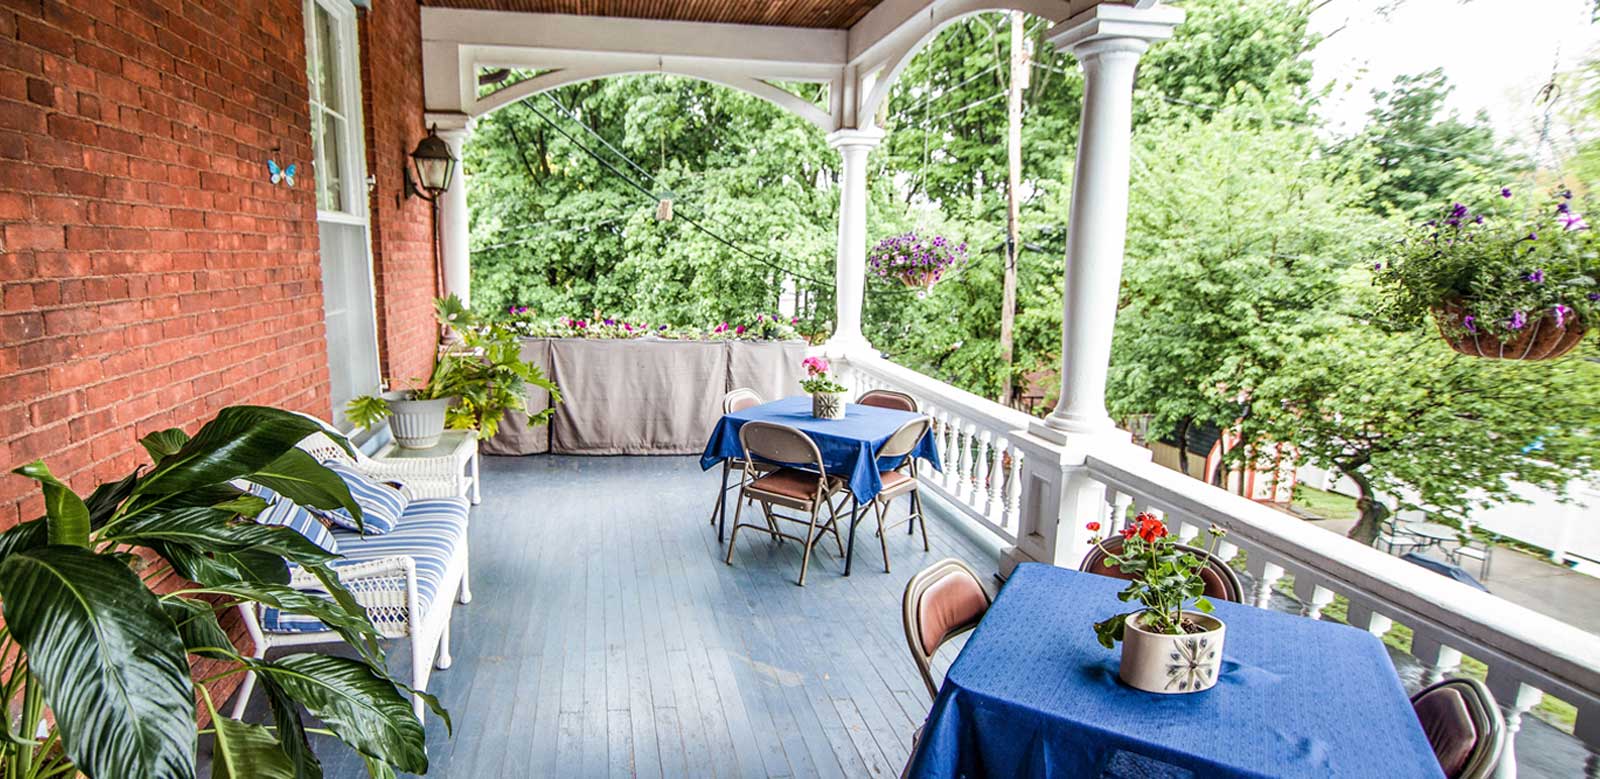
(407,579)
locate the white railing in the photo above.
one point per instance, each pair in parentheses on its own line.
(982,466)
(1528,655)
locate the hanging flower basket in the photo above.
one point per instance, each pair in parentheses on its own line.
(1546,338)
(1510,281)
(916,261)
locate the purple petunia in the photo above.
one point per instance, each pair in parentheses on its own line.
(1561,313)
(1471,323)
(1532,237)
(1563,208)
(1505,192)
(1570,222)
(1536,276)
(1517,321)
(1377,266)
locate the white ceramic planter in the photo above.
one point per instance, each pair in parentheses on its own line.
(827,405)
(1164,663)
(416,424)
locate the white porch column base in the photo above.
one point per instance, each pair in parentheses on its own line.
(1107,41)
(1060,497)
(850,267)
(455,233)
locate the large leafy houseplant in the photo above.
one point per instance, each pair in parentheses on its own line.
(480,370)
(101,663)
(1498,284)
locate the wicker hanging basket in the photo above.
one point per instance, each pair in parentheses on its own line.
(919,280)
(1542,339)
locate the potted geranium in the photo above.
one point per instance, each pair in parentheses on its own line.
(1166,648)
(476,379)
(1498,284)
(916,261)
(827,395)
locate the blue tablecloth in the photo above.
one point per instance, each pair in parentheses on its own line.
(847,445)
(1033,694)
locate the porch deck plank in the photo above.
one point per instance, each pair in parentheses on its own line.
(606,637)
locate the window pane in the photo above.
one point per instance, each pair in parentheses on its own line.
(328,61)
(311,63)
(331,170)
(347,306)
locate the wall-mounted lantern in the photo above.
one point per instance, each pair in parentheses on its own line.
(433,164)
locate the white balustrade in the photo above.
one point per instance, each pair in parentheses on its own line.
(1528,655)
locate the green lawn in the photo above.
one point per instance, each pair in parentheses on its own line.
(1322,503)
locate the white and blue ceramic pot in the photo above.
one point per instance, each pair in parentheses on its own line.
(1168,663)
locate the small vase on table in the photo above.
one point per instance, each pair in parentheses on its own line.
(827,395)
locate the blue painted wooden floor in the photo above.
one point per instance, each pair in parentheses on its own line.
(607,638)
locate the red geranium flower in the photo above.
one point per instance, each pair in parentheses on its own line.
(1150,528)
(1094,527)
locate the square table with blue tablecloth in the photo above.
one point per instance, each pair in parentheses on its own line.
(1033,694)
(847,445)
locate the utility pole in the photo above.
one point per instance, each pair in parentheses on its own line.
(1008,304)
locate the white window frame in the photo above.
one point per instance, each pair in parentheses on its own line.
(353,175)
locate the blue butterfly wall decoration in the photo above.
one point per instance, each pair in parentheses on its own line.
(280,175)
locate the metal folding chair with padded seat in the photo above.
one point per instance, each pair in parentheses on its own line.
(901,481)
(805,487)
(883,398)
(736,400)
(1221,581)
(942,601)
(1464,726)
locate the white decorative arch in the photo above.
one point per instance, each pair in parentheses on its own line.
(880,63)
(561,77)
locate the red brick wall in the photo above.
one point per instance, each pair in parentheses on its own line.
(150,273)
(402,228)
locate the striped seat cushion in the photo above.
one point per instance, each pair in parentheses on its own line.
(430,531)
(381,504)
(282,511)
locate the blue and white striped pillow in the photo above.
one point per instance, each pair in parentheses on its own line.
(381,504)
(281,511)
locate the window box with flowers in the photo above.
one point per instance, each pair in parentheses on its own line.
(1166,648)
(1496,284)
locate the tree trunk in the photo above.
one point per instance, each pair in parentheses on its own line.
(1183,445)
(1008,303)
(1373,512)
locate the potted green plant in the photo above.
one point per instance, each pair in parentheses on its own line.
(1166,648)
(1498,284)
(827,395)
(101,663)
(478,376)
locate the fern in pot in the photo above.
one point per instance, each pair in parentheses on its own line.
(478,377)
(101,662)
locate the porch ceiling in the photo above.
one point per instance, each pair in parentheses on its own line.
(826,14)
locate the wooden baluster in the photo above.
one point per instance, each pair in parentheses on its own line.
(1013,490)
(959,456)
(980,471)
(1516,703)
(1313,597)
(941,441)
(995,506)
(1267,574)
(1439,660)
(1120,511)
(1109,522)
(1187,532)
(969,460)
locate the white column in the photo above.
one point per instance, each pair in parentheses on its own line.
(454,231)
(850,267)
(1107,41)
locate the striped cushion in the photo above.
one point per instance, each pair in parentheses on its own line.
(381,504)
(280,511)
(430,531)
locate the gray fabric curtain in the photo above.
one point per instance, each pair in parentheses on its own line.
(771,368)
(515,435)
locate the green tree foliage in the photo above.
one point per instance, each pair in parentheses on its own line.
(1417,153)
(1405,417)
(1238,234)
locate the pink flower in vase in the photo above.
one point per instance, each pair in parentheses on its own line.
(815,365)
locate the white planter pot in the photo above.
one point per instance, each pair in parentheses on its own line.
(416,424)
(1165,663)
(827,405)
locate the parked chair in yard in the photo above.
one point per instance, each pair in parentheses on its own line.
(1473,549)
(1464,726)
(736,400)
(1221,581)
(883,398)
(901,481)
(407,577)
(806,487)
(1393,536)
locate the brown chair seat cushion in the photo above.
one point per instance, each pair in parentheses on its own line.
(892,479)
(950,603)
(1447,721)
(788,482)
